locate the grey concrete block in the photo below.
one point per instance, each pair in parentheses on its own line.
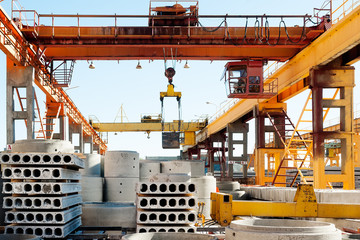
(41,202)
(109,215)
(40,188)
(170,177)
(183,202)
(120,189)
(92,189)
(49,231)
(92,166)
(172,217)
(53,217)
(121,164)
(228,186)
(149,168)
(40,173)
(176,167)
(183,229)
(166,188)
(41,159)
(43,146)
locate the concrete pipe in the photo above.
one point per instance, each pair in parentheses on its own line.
(92,166)
(163,235)
(228,186)
(120,189)
(109,215)
(204,185)
(207,207)
(148,169)
(92,189)
(121,164)
(18,237)
(274,229)
(171,167)
(43,146)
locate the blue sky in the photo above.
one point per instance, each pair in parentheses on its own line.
(102,91)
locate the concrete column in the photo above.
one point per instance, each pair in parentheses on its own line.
(19,77)
(240,129)
(76,128)
(321,78)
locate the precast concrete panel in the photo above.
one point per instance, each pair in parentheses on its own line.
(165,188)
(35,158)
(149,168)
(162,217)
(176,167)
(45,231)
(92,166)
(34,173)
(121,164)
(43,146)
(40,188)
(170,177)
(92,189)
(169,229)
(41,202)
(166,202)
(120,189)
(53,217)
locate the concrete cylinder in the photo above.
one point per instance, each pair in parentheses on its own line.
(92,166)
(92,189)
(170,167)
(166,236)
(228,186)
(274,229)
(43,146)
(121,164)
(148,169)
(204,185)
(207,207)
(120,189)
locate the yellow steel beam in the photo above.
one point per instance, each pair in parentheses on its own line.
(330,45)
(223,208)
(153,127)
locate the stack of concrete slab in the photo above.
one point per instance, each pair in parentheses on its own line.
(121,171)
(91,181)
(43,195)
(166,207)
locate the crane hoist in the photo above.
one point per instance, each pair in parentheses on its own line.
(171,139)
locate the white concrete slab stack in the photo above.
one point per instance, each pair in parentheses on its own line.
(121,171)
(44,199)
(166,207)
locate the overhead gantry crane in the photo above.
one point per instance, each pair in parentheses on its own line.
(255,40)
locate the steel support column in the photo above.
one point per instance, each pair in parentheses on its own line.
(326,78)
(267,158)
(19,77)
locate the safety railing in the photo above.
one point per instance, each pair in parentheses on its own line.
(340,8)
